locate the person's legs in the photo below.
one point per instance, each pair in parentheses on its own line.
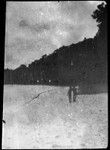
(69,95)
(69,98)
(74,97)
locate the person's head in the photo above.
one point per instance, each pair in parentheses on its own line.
(77,87)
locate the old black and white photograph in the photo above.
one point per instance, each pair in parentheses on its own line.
(55,90)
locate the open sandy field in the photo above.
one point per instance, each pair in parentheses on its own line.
(49,121)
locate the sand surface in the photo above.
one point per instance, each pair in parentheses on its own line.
(49,121)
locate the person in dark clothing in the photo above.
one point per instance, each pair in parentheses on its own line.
(72,93)
(75,93)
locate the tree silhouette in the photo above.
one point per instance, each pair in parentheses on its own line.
(84,62)
(100,39)
(101,17)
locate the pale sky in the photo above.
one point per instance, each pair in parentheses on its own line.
(37,28)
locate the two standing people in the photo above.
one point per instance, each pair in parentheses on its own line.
(72,93)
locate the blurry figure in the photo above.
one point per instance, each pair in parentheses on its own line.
(75,93)
(72,93)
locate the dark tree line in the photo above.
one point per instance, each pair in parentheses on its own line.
(82,63)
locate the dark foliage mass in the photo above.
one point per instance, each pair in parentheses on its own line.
(84,63)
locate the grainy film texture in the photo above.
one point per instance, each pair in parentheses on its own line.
(55,75)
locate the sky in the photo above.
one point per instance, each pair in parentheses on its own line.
(34,29)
